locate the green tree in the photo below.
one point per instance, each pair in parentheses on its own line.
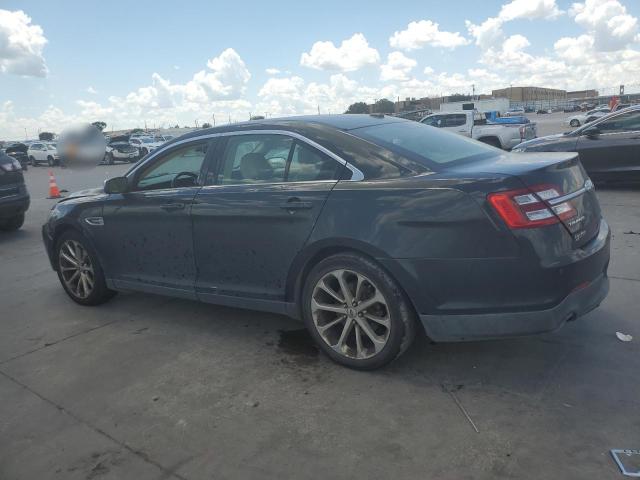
(46,136)
(459,97)
(137,130)
(206,125)
(384,106)
(358,107)
(99,125)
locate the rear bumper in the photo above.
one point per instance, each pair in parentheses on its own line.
(448,328)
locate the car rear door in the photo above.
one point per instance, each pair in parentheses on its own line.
(147,237)
(256,213)
(613,151)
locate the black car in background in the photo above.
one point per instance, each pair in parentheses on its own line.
(609,147)
(14,198)
(368,228)
(19,152)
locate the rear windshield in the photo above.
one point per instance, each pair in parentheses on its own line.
(425,144)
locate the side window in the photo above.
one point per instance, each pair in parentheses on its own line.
(627,122)
(456,120)
(435,121)
(308,164)
(255,159)
(161,173)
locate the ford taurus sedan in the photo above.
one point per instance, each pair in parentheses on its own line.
(368,228)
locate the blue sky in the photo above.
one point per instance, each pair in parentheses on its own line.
(115,48)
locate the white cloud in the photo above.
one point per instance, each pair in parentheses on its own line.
(21,45)
(607,21)
(91,90)
(352,54)
(489,33)
(425,32)
(397,68)
(529,9)
(272,71)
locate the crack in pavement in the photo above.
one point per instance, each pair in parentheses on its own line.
(166,473)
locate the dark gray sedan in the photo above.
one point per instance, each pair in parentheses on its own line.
(368,228)
(609,147)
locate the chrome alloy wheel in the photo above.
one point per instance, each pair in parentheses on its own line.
(350,314)
(76,269)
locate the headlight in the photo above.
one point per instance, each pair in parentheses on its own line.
(12,166)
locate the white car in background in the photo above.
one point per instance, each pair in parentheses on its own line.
(585,117)
(514,112)
(43,152)
(145,144)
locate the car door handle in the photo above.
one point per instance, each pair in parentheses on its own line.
(296,204)
(172,206)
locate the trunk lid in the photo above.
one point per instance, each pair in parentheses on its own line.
(559,181)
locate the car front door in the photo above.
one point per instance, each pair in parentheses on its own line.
(37,152)
(256,214)
(613,151)
(148,237)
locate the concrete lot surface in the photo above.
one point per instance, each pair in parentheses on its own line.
(146,387)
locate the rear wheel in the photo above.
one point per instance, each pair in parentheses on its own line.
(79,270)
(12,223)
(50,161)
(33,162)
(110,159)
(356,312)
(574,123)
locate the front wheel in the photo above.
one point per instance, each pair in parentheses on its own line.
(12,223)
(110,159)
(574,123)
(33,162)
(357,313)
(50,161)
(79,270)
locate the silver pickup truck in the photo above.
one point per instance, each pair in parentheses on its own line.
(475,125)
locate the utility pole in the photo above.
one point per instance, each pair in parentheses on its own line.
(213,115)
(229,118)
(318,109)
(473,89)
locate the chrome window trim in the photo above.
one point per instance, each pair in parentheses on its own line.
(588,185)
(356,174)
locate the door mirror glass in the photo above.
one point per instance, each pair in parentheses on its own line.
(116,185)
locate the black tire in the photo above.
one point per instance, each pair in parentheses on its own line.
(143,152)
(33,162)
(12,223)
(100,293)
(494,142)
(110,158)
(574,123)
(50,161)
(402,317)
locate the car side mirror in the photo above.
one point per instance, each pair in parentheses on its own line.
(591,132)
(116,185)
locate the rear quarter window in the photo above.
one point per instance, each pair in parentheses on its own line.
(430,146)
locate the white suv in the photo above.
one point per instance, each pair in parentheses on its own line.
(144,144)
(42,152)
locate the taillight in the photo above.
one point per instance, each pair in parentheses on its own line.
(523,129)
(526,208)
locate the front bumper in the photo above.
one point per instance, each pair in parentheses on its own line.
(449,328)
(12,205)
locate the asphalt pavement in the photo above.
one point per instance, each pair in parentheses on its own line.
(147,387)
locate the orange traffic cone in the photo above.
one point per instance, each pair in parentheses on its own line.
(54,191)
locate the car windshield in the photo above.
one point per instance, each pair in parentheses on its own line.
(51,146)
(425,144)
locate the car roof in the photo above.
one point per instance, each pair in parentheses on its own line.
(344,122)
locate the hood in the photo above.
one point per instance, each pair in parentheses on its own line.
(556,142)
(17,148)
(89,192)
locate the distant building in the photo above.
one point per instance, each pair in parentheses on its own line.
(530,94)
(580,94)
(482,105)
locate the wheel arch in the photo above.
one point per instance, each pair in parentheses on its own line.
(313,254)
(491,140)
